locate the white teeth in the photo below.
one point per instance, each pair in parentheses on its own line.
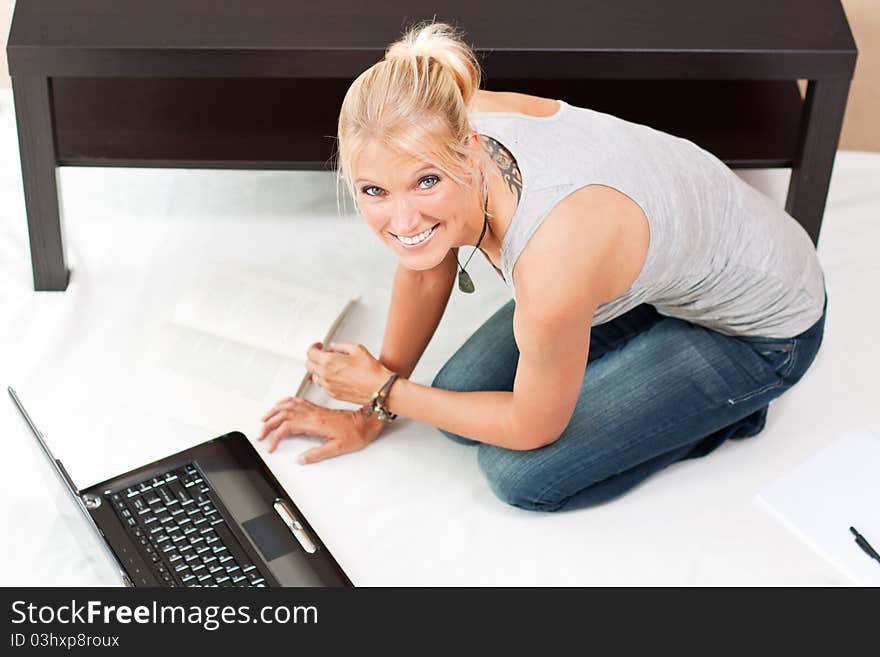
(415,239)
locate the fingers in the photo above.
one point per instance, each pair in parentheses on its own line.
(314,353)
(345,347)
(327,450)
(284,405)
(295,416)
(282,431)
(271,423)
(281,403)
(320,364)
(291,426)
(285,423)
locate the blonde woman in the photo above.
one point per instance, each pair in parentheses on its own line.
(659,303)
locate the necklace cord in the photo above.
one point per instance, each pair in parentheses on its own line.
(482,233)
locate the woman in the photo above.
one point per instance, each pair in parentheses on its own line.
(660,303)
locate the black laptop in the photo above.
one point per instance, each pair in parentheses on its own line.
(211,515)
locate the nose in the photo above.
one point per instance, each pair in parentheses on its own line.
(405,219)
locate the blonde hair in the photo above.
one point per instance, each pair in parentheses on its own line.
(414,101)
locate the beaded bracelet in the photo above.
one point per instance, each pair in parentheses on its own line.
(377,405)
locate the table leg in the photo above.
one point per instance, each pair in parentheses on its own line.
(36,141)
(821,120)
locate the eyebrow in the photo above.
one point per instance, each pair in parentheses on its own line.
(415,175)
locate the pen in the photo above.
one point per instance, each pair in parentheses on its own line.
(862,542)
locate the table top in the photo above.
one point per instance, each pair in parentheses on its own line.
(783,28)
(563,24)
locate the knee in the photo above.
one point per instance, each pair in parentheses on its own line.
(454,375)
(517,479)
(451,377)
(444,377)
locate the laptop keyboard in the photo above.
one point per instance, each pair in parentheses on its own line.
(176,523)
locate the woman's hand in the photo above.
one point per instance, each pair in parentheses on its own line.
(343,431)
(346,371)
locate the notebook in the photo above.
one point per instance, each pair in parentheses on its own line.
(822,498)
(254,310)
(233,343)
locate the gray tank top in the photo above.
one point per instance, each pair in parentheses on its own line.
(722,254)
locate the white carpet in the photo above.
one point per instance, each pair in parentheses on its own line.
(413,507)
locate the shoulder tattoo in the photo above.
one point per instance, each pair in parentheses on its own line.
(506,164)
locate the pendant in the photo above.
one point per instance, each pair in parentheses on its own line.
(465,284)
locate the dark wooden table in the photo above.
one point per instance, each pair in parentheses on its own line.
(258,83)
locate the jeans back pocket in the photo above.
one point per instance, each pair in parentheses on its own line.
(769,347)
(778,354)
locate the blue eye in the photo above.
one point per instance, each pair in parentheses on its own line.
(365,189)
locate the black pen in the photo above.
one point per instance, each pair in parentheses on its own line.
(862,542)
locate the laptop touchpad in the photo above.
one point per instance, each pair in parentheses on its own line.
(271,535)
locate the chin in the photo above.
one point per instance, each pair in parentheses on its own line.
(422,265)
(424,261)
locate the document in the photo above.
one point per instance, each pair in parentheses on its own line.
(233,344)
(835,489)
(233,313)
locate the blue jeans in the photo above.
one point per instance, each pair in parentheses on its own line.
(656,390)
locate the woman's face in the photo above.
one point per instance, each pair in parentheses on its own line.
(412,206)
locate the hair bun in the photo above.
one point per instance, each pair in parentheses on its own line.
(443,43)
(418,44)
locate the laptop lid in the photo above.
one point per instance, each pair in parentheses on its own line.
(82,525)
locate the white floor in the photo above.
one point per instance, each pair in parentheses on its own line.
(412,508)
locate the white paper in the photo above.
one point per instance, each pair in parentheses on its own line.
(822,498)
(233,346)
(258,311)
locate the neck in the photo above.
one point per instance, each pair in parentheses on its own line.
(491,242)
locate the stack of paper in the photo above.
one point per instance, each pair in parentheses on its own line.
(834,490)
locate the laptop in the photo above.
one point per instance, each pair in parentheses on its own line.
(210,515)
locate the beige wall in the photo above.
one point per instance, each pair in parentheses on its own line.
(861,131)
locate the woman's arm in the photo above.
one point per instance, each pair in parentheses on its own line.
(553,337)
(560,281)
(418,301)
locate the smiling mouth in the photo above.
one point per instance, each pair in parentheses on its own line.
(418,238)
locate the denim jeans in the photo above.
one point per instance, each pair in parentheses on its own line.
(656,390)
